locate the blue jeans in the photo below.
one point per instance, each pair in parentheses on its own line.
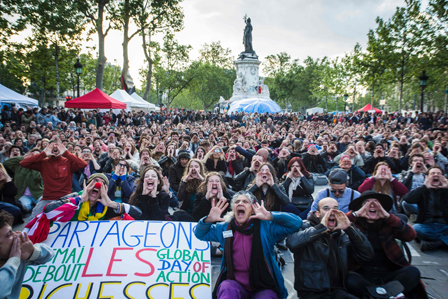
(432,232)
(290,208)
(28,202)
(13,210)
(409,208)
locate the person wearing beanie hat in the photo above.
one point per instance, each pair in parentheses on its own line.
(177,170)
(337,179)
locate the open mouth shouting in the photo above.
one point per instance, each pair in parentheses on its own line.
(55,151)
(264,177)
(240,213)
(150,184)
(331,224)
(95,192)
(214,189)
(435,181)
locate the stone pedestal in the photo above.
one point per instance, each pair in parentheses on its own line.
(248,84)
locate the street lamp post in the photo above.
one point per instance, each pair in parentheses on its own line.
(78,70)
(345,102)
(423,78)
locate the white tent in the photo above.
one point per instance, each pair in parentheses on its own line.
(150,106)
(130,102)
(11,97)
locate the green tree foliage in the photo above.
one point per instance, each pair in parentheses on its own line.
(171,72)
(213,75)
(151,18)
(111,77)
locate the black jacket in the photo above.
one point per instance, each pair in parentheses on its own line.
(281,198)
(421,196)
(304,189)
(243,179)
(220,166)
(311,249)
(406,178)
(166,163)
(326,157)
(202,206)
(315,164)
(154,208)
(175,175)
(369,167)
(238,166)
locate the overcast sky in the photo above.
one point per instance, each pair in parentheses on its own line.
(301,28)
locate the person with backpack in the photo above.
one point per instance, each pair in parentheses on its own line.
(338,190)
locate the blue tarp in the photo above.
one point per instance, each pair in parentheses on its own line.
(253,105)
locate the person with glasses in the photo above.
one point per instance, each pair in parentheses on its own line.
(323,248)
(121,183)
(338,190)
(215,160)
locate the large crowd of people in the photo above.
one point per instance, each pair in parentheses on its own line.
(248,180)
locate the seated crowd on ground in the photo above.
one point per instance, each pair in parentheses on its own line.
(253,174)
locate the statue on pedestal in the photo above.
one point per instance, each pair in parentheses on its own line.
(247,41)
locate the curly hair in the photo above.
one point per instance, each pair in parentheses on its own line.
(5,219)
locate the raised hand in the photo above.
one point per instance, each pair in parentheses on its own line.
(388,174)
(382,213)
(16,250)
(220,193)
(270,180)
(259,180)
(261,212)
(153,192)
(324,219)
(61,148)
(166,184)
(216,211)
(443,182)
(49,149)
(208,195)
(117,169)
(363,211)
(342,220)
(86,190)
(26,247)
(199,176)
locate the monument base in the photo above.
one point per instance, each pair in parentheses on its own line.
(248,84)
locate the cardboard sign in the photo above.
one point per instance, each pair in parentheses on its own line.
(122,259)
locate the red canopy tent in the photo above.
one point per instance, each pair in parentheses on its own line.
(368,108)
(95,99)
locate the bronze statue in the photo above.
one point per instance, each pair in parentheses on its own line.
(247,39)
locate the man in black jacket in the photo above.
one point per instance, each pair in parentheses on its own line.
(378,156)
(244,178)
(432,218)
(322,248)
(329,155)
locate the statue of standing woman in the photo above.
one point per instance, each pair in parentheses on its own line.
(247,39)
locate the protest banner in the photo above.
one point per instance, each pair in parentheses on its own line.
(122,259)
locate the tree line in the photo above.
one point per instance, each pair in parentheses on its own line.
(398,50)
